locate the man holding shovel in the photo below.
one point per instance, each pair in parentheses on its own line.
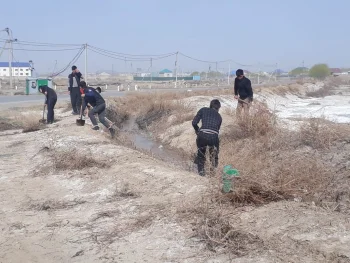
(50,102)
(208,134)
(243,93)
(97,105)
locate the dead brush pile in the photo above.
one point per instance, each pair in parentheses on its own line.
(213,225)
(320,133)
(275,164)
(73,159)
(26,123)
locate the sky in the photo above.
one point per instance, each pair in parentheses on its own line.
(253,33)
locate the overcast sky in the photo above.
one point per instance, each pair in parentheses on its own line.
(251,32)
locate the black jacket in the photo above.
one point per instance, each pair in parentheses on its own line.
(51,94)
(211,121)
(78,77)
(92,97)
(243,88)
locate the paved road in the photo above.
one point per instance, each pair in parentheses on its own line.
(28,100)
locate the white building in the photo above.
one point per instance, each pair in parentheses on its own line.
(19,69)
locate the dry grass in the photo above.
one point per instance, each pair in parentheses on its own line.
(124,191)
(272,169)
(18,121)
(117,112)
(30,124)
(54,204)
(319,133)
(7,124)
(75,160)
(326,90)
(148,108)
(259,122)
(212,225)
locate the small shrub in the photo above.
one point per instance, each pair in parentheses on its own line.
(318,133)
(7,124)
(326,90)
(30,124)
(259,122)
(75,160)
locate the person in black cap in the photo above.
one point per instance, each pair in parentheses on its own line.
(208,134)
(97,105)
(50,102)
(243,92)
(74,80)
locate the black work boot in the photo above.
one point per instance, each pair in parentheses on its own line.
(112,131)
(96,128)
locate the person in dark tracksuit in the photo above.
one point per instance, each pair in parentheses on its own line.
(97,105)
(243,92)
(74,81)
(50,102)
(208,134)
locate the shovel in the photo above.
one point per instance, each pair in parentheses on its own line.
(243,101)
(43,119)
(81,122)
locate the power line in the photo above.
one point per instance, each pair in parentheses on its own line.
(214,62)
(130,55)
(29,43)
(75,59)
(117,58)
(43,50)
(126,58)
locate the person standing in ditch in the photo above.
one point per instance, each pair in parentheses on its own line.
(50,102)
(97,105)
(208,135)
(243,93)
(74,81)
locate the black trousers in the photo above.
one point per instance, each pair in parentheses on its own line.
(50,109)
(75,98)
(205,141)
(101,111)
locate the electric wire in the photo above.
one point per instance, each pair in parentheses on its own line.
(75,59)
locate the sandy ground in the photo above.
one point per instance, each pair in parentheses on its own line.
(128,210)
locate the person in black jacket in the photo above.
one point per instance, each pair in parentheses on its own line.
(243,92)
(208,134)
(97,105)
(74,81)
(50,102)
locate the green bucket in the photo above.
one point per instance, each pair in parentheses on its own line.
(227,178)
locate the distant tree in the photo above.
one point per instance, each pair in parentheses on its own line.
(214,74)
(196,73)
(319,71)
(299,71)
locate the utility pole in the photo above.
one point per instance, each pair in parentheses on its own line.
(276,71)
(229,72)
(10,49)
(86,57)
(112,69)
(151,70)
(176,70)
